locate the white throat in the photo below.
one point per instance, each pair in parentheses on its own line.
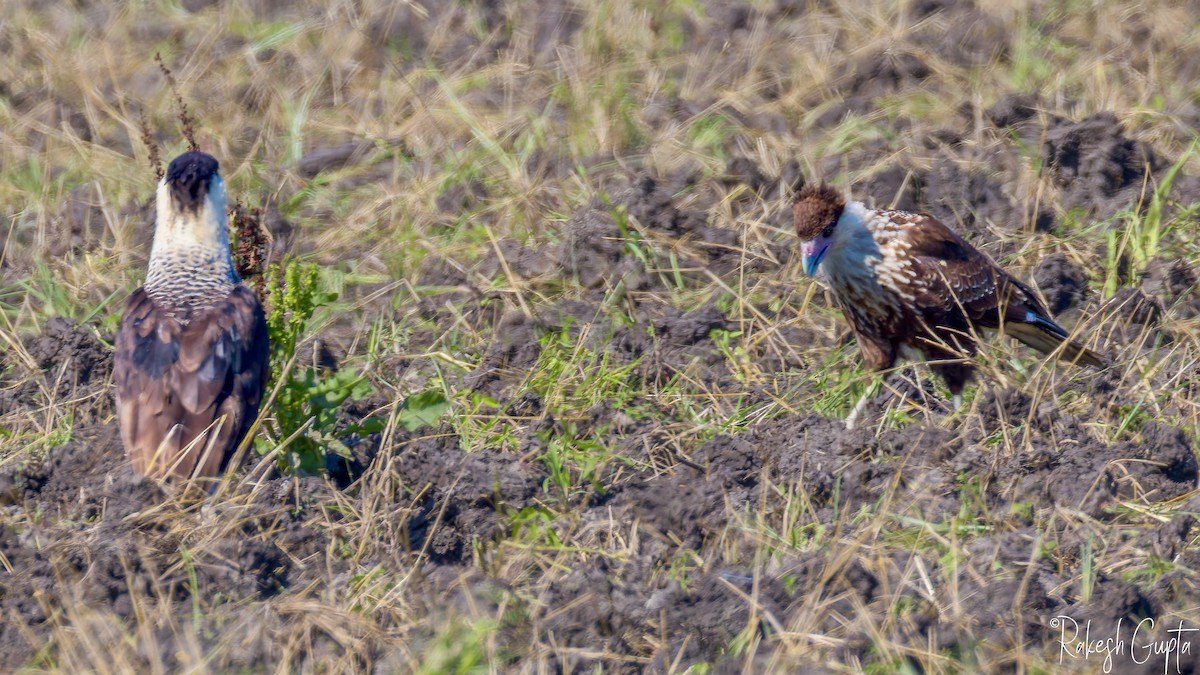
(190,262)
(852,246)
(206,229)
(862,266)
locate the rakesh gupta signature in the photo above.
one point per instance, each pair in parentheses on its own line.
(1140,646)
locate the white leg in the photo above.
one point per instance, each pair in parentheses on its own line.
(957,399)
(872,389)
(852,418)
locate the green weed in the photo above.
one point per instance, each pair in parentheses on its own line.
(1131,249)
(305,411)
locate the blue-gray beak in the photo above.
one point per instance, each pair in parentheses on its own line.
(814,252)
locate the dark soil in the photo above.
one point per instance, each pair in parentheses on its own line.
(1096,163)
(671,564)
(1063,283)
(101,529)
(72,368)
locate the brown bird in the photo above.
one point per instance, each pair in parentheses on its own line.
(192,352)
(906,280)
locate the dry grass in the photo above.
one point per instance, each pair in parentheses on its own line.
(474,134)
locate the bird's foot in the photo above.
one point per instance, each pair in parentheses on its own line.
(852,418)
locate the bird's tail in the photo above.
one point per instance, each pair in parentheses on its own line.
(1046,336)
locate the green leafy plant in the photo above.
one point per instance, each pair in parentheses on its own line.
(306,406)
(309,398)
(422,409)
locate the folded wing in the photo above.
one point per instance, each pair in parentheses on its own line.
(187,392)
(960,287)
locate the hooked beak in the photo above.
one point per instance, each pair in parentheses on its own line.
(814,252)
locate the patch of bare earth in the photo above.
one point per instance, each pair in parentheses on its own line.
(710,509)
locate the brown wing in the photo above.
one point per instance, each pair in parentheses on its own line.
(960,287)
(176,382)
(957,282)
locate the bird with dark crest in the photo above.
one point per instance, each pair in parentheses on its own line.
(905,280)
(192,351)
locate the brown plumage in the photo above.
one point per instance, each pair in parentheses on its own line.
(192,352)
(175,381)
(906,279)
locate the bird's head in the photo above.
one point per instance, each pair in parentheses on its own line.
(191,180)
(816,213)
(191,229)
(191,204)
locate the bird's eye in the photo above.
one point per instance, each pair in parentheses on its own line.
(827,232)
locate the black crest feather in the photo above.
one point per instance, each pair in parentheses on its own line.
(189,177)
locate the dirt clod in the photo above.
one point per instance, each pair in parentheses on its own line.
(1063,283)
(1098,166)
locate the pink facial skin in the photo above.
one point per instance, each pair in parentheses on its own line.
(814,251)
